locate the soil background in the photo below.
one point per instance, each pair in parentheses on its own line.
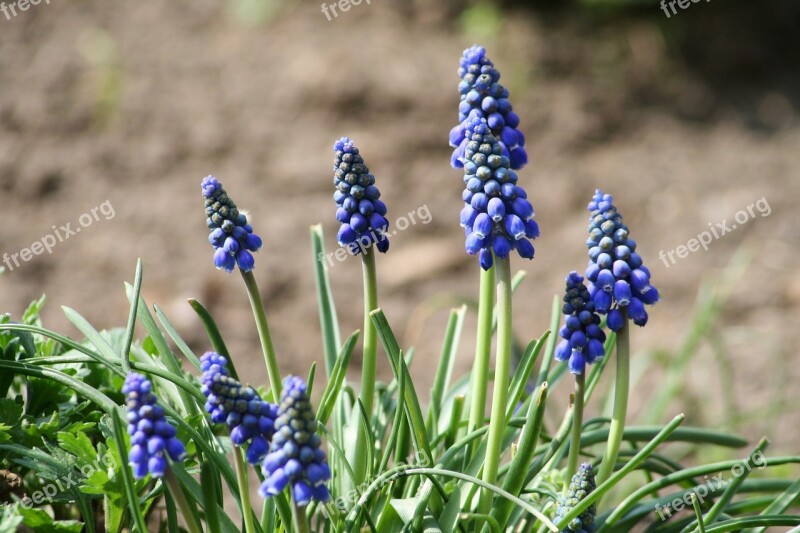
(686,120)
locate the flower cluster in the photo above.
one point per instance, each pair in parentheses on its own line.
(295,457)
(618,279)
(581,485)
(582,336)
(361,213)
(482,96)
(249,418)
(152,436)
(231,236)
(498,216)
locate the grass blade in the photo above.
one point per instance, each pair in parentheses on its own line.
(327,308)
(137,289)
(133,499)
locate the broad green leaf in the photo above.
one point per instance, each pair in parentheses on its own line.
(41,522)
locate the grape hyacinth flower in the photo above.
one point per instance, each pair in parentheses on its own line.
(152,436)
(482,96)
(295,457)
(582,337)
(250,419)
(497,216)
(361,213)
(581,485)
(231,236)
(618,279)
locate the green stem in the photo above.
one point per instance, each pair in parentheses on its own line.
(497,422)
(263,334)
(620,401)
(577,423)
(370,334)
(180,500)
(299,519)
(368,365)
(244,490)
(483,348)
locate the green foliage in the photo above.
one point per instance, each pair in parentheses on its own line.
(62,433)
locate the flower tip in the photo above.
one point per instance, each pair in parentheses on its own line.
(344,144)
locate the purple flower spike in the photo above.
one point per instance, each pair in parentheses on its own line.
(361,214)
(250,419)
(231,236)
(152,436)
(497,217)
(583,339)
(617,278)
(483,97)
(296,459)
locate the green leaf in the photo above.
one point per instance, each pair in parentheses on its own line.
(125,353)
(214,336)
(62,378)
(730,491)
(327,308)
(737,524)
(79,445)
(196,493)
(515,478)
(331,392)
(211,498)
(406,509)
(134,505)
(173,334)
(167,356)
(108,355)
(410,400)
(783,502)
(609,483)
(444,370)
(10,412)
(523,373)
(449,516)
(41,522)
(31,314)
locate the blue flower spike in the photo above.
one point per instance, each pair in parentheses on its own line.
(483,96)
(581,485)
(250,419)
(231,235)
(582,338)
(296,459)
(497,217)
(360,211)
(152,436)
(617,277)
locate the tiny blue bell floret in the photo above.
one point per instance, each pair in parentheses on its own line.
(296,459)
(582,338)
(581,485)
(497,217)
(360,211)
(152,436)
(231,236)
(617,277)
(483,96)
(250,419)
